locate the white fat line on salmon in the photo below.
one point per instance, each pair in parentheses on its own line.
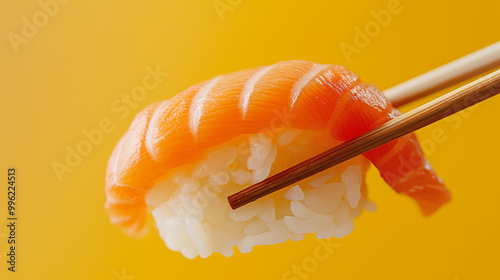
(249,87)
(197,103)
(302,82)
(155,118)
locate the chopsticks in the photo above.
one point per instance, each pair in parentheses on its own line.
(424,115)
(446,75)
(448,104)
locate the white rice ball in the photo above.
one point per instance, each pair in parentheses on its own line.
(194,218)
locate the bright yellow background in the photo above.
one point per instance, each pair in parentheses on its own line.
(66,77)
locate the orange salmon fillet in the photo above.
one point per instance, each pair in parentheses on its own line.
(298,94)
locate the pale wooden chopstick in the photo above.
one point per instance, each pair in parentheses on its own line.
(448,104)
(466,67)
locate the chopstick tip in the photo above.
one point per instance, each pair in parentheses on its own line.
(233,202)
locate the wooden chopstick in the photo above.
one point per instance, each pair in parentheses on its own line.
(448,104)
(466,67)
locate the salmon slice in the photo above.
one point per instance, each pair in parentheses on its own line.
(296,94)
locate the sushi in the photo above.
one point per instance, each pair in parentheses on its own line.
(182,157)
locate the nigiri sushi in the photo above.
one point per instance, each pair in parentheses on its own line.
(182,157)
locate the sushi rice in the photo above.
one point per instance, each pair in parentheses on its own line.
(190,208)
